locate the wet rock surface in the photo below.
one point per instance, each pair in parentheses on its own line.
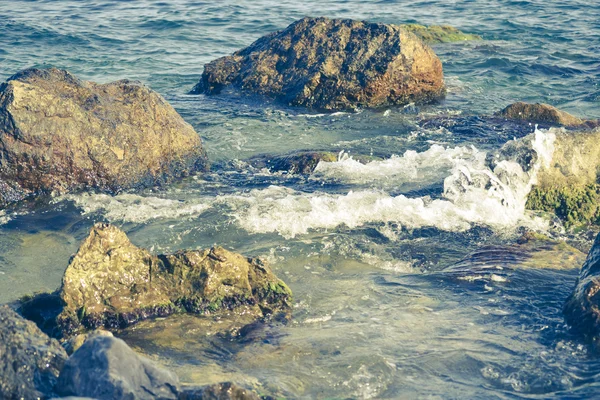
(332,64)
(110,283)
(106,368)
(582,308)
(60,134)
(219,391)
(30,361)
(541,113)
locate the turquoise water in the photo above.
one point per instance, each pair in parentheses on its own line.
(384,306)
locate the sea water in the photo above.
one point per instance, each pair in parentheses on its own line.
(407,276)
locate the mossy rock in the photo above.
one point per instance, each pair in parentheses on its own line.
(575,205)
(111,283)
(434,34)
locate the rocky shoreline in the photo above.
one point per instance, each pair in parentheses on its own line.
(59,134)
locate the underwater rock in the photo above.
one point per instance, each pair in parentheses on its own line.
(110,283)
(439,33)
(30,361)
(542,113)
(60,134)
(332,64)
(105,367)
(568,187)
(582,308)
(218,391)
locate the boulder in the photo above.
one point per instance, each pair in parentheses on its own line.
(539,113)
(74,343)
(30,361)
(332,64)
(60,134)
(105,368)
(568,186)
(434,34)
(582,308)
(110,283)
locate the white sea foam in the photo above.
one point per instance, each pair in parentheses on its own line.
(134,208)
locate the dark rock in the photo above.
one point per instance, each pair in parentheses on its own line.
(219,391)
(303,162)
(111,284)
(106,368)
(541,113)
(29,360)
(582,308)
(61,134)
(332,64)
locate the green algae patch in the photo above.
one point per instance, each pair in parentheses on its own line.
(434,34)
(575,205)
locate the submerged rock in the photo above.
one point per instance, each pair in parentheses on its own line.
(540,113)
(219,391)
(439,33)
(30,361)
(110,283)
(582,308)
(61,134)
(302,162)
(105,368)
(332,64)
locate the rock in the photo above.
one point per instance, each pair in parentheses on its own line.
(302,162)
(332,64)
(29,360)
(582,308)
(542,113)
(219,391)
(74,343)
(105,367)
(111,284)
(434,34)
(568,187)
(60,134)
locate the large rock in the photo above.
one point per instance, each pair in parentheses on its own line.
(568,186)
(539,113)
(105,368)
(582,308)
(110,283)
(61,134)
(29,360)
(332,64)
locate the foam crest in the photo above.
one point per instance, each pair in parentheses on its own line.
(134,208)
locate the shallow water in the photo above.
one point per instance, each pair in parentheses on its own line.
(389,304)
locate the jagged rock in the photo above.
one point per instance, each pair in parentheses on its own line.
(61,134)
(110,283)
(439,33)
(218,391)
(29,360)
(542,113)
(302,162)
(582,308)
(105,368)
(332,64)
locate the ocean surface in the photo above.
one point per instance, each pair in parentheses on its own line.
(408,276)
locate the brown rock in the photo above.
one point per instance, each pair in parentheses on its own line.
(542,113)
(332,64)
(61,134)
(111,284)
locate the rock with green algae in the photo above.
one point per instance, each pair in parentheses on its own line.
(60,134)
(111,283)
(434,34)
(569,186)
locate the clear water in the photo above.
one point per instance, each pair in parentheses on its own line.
(384,306)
